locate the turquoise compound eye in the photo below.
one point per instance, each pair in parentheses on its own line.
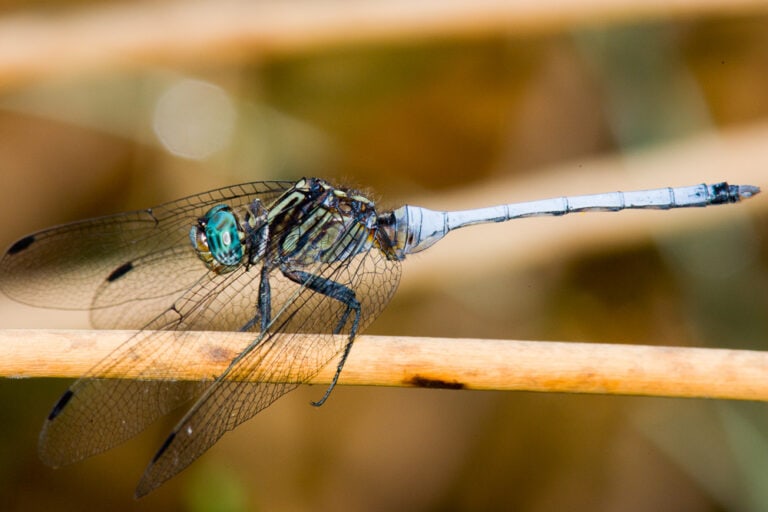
(222,236)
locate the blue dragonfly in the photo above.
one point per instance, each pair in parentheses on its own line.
(270,258)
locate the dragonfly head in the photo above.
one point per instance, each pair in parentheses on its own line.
(218,239)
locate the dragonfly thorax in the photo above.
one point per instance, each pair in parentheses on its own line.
(315,222)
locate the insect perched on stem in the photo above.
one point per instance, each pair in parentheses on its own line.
(270,258)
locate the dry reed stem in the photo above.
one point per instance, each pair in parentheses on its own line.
(37,45)
(436,362)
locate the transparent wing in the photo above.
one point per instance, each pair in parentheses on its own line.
(118,261)
(95,413)
(279,360)
(165,288)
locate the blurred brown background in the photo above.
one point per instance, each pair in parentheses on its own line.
(102,111)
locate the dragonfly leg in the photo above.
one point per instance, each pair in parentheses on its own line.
(327,393)
(333,290)
(344,295)
(264,307)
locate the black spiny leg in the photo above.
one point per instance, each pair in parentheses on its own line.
(343,360)
(333,290)
(264,307)
(344,295)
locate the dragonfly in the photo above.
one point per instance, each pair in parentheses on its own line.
(271,258)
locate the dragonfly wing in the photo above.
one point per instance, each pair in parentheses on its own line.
(278,363)
(101,410)
(97,413)
(66,267)
(133,296)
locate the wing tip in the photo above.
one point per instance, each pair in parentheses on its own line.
(149,481)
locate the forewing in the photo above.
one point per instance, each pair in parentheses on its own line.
(118,261)
(98,413)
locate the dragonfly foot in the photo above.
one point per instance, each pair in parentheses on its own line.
(344,356)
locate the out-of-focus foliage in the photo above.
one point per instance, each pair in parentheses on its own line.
(414,120)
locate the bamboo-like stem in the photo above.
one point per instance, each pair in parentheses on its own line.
(438,362)
(128,34)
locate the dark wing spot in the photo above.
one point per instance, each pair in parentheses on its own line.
(120,272)
(424,382)
(165,446)
(22,244)
(63,401)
